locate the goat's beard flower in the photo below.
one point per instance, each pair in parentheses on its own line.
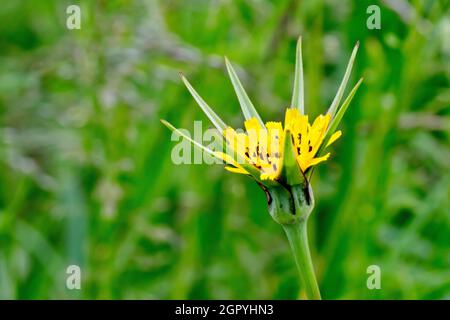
(281,158)
(263,147)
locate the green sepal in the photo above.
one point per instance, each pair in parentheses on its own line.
(248,109)
(290,172)
(281,205)
(298,95)
(290,204)
(303,197)
(337,99)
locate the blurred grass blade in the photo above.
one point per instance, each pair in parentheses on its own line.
(337,99)
(298,100)
(246,105)
(290,168)
(215,119)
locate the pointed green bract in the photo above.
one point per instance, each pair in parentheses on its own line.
(195,143)
(337,119)
(339,115)
(290,171)
(246,105)
(337,99)
(298,100)
(215,119)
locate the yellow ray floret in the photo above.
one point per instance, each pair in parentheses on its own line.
(263,147)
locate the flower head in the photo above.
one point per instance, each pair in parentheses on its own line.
(273,154)
(263,147)
(281,158)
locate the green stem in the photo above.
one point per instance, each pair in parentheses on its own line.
(298,239)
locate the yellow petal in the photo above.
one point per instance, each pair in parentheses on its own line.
(269,176)
(252,124)
(229,160)
(334,137)
(317,122)
(320,124)
(274,125)
(291,117)
(253,131)
(237,143)
(275,136)
(236,170)
(306,163)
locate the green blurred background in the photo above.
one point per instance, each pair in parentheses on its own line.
(86,174)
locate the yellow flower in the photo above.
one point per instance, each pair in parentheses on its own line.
(281,158)
(272,154)
(263,147)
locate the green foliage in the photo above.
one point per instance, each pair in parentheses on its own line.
(86,174)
